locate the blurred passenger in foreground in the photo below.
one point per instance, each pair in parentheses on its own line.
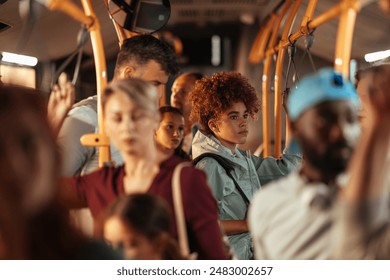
(362,228)
(144,57)
(139,225)
(33,222)
(131,118)
(292,217)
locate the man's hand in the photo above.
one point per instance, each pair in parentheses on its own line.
(379,95)
(60,102)
(385,6)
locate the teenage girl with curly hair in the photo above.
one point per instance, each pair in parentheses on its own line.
(223,105)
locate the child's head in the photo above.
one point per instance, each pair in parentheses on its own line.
(169,135)
(139,224)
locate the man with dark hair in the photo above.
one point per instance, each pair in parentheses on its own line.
(144,57)
(291,218)
(147,58)
(181,88)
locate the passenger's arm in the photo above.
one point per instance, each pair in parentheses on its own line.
(76,190)
(270,168)
(60,102)
(80,121)
(218,182)
(234,226)
(361,228)
(69,194)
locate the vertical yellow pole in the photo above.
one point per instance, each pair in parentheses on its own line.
(122,33)
(265,88)
(259,46)
(101,79)
(278,79)
(308,16)
(89,19)
(69,8)
(345,35)
(274,26)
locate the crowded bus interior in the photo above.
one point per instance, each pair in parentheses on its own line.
(194,129)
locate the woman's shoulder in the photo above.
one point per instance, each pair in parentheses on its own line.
(173,161)
(108,171)
(189,170)
(105,175)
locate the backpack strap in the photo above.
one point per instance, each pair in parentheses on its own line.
(228,166)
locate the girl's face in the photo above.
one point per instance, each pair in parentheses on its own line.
(231,128)
(130,127)
(133,244)
(170,132)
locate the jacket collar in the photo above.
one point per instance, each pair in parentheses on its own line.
(210,144)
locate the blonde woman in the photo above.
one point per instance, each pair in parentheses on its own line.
(131,118)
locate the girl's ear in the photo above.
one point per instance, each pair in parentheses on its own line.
(212,124)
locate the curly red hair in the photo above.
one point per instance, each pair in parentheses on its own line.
(212,96)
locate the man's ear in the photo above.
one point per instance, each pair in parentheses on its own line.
(128,72)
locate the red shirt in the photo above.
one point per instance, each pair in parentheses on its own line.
(103,186)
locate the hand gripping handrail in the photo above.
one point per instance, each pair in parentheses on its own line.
(89,19)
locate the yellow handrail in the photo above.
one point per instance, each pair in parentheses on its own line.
(266,74)
(89,19)
(122,33)
(265,88)
(345,35)
(278,79)
(346,10)
(72,10)
(258,48)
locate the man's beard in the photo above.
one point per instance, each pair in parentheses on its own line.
(333,161)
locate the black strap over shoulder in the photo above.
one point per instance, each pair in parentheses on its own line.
(228,166)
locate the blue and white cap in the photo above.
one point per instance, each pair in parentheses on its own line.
(326,85)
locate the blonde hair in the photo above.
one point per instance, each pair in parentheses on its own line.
(140,92)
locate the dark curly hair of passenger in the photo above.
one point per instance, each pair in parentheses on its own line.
(212,96)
